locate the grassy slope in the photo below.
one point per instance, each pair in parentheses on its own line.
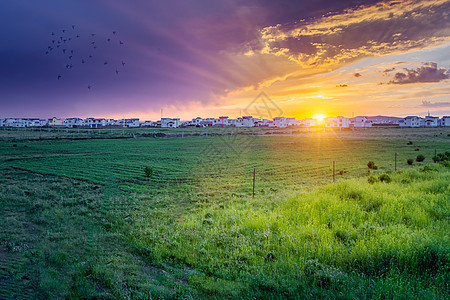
(352,239)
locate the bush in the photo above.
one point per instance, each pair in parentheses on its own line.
(385,178)
(417,149)
(410,161)
(409,143)
(372,179)
(442,157)
(420,158)
(148,172)
(371,165)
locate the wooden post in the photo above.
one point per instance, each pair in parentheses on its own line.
(395,164)
(254,176)
(334,169)
(206,131)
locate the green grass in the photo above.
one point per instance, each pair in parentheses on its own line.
(352,240)
(81,218)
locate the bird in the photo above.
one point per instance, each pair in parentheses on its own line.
(82,61)
(90,56)
(70,39)
(105,63)
(46,52)
(70,57)
(93,34)
(53,41)
(120,42)
(114,32)
(93,43)
(78,35)
(63,31)
(89,87)
(71,51)
(95,47)
(64,51)
(117,72)
(59,76)
(123,64)
(109,40)
(73,26)
(53,33)
(57,46)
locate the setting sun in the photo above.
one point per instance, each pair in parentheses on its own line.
(319,117)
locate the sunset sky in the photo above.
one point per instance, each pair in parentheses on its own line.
(134,58)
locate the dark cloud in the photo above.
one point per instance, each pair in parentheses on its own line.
(429,72)
(389,70)
(426,103)
(357,75)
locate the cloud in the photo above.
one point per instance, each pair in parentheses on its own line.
(342,85)
(357,75)
(388,27)
(426,73)
(426,103)
(389,70)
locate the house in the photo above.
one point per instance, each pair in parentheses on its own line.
(149,124)
(34,123)
(445,121)
(430,121)
(128,122)
(337,122)
(73,122)
(170,122)
(360,122)
(55,122)
(280,122)
(410,121)
(308,122)
(2,122)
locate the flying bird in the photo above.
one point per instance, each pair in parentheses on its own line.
(53,33)
(90,56)
(59,76)
(71,51)
(89,87)
(82,61)
(63,31)
(109,40)
(123,64)
(70,57)
(120,42)
(64,51)
(114,32)
(78,35)
(105,63)
(73,26)
(93,34)
(117,72)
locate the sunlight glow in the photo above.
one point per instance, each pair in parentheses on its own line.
(319,117)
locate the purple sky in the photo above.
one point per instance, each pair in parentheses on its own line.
(179,55)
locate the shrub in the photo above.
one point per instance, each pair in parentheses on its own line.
(372,179)
(420,158)
(417,149)
(148,172)
(385,178)
(410,161)
(371,165)
(409,143)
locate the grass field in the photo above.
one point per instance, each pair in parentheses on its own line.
(81,218)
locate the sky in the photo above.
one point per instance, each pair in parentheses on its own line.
(189,58)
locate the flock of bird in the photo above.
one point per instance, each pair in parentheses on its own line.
(78,50)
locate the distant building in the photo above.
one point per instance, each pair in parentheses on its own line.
(170,123)
(337,122)
(430,121)
(445,121)
(410,121)
(55,122)
(73,122)
(134,122)
(360,122)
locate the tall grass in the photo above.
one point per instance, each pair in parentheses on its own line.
(351,238)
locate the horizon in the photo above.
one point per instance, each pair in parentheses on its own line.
(120,60)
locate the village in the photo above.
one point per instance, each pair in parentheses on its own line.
(244,121)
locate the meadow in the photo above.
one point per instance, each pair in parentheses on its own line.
(81,218)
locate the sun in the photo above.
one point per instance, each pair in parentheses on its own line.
(319,117)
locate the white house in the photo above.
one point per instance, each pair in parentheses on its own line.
(308,122)
(280,122)
(430,121)
(73,122)
(360,122)
(2,121)
(170,122)
(337,122)
(410,121)
(128,122)
(445,121)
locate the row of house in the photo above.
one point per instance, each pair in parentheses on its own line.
(245,121)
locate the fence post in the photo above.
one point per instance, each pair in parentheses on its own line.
(254,176)
(395,164)
(435,155)
(206,131)
(334,169)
